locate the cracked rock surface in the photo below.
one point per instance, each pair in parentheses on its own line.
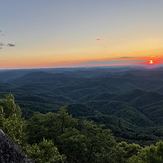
(10,152)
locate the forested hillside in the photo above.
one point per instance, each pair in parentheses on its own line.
(129,101)
(59,137)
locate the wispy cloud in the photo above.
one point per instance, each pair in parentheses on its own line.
(10,44)
(98,39)
(2,44)
(126,57)
(119,61)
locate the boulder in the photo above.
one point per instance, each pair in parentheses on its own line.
(10,152)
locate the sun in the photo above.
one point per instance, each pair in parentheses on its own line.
(151,62)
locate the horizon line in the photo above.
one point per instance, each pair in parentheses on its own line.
(87,67)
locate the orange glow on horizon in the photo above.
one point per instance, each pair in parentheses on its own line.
(90,61)
(153,60)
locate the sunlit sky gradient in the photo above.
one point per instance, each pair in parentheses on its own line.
(60,33)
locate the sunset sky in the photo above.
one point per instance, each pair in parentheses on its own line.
(61,33)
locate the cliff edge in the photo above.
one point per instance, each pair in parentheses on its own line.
(10,152)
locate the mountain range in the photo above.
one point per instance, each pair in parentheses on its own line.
(129,101)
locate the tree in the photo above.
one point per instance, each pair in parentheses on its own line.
(150,154)
(65,120)
(101,143)
(11,121)
(45,151)
(90,144)
(124,151)
(9,107)
(49,126)
(74,145)
(81,141)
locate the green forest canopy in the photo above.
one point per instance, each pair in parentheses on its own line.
(58,137)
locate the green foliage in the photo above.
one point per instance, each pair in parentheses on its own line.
(101,144)
(10,119)
(125,151)
(80,141)
(74,145)
(45,151)
(82,147)
(150,154)
(14,127)
(58,137)
(49,125)
(127,102)
(65,120)
(9,107)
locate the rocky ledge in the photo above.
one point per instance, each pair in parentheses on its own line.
(10,152)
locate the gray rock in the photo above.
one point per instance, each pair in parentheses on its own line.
(10,152)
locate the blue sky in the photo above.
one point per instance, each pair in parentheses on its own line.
(66,32)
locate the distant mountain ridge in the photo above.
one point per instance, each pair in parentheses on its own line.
(129,101)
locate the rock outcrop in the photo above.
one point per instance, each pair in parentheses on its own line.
(10,152)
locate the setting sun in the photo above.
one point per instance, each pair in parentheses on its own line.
(151,62)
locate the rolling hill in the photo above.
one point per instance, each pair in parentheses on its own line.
(129,101)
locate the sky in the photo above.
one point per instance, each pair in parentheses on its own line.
(66,33)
